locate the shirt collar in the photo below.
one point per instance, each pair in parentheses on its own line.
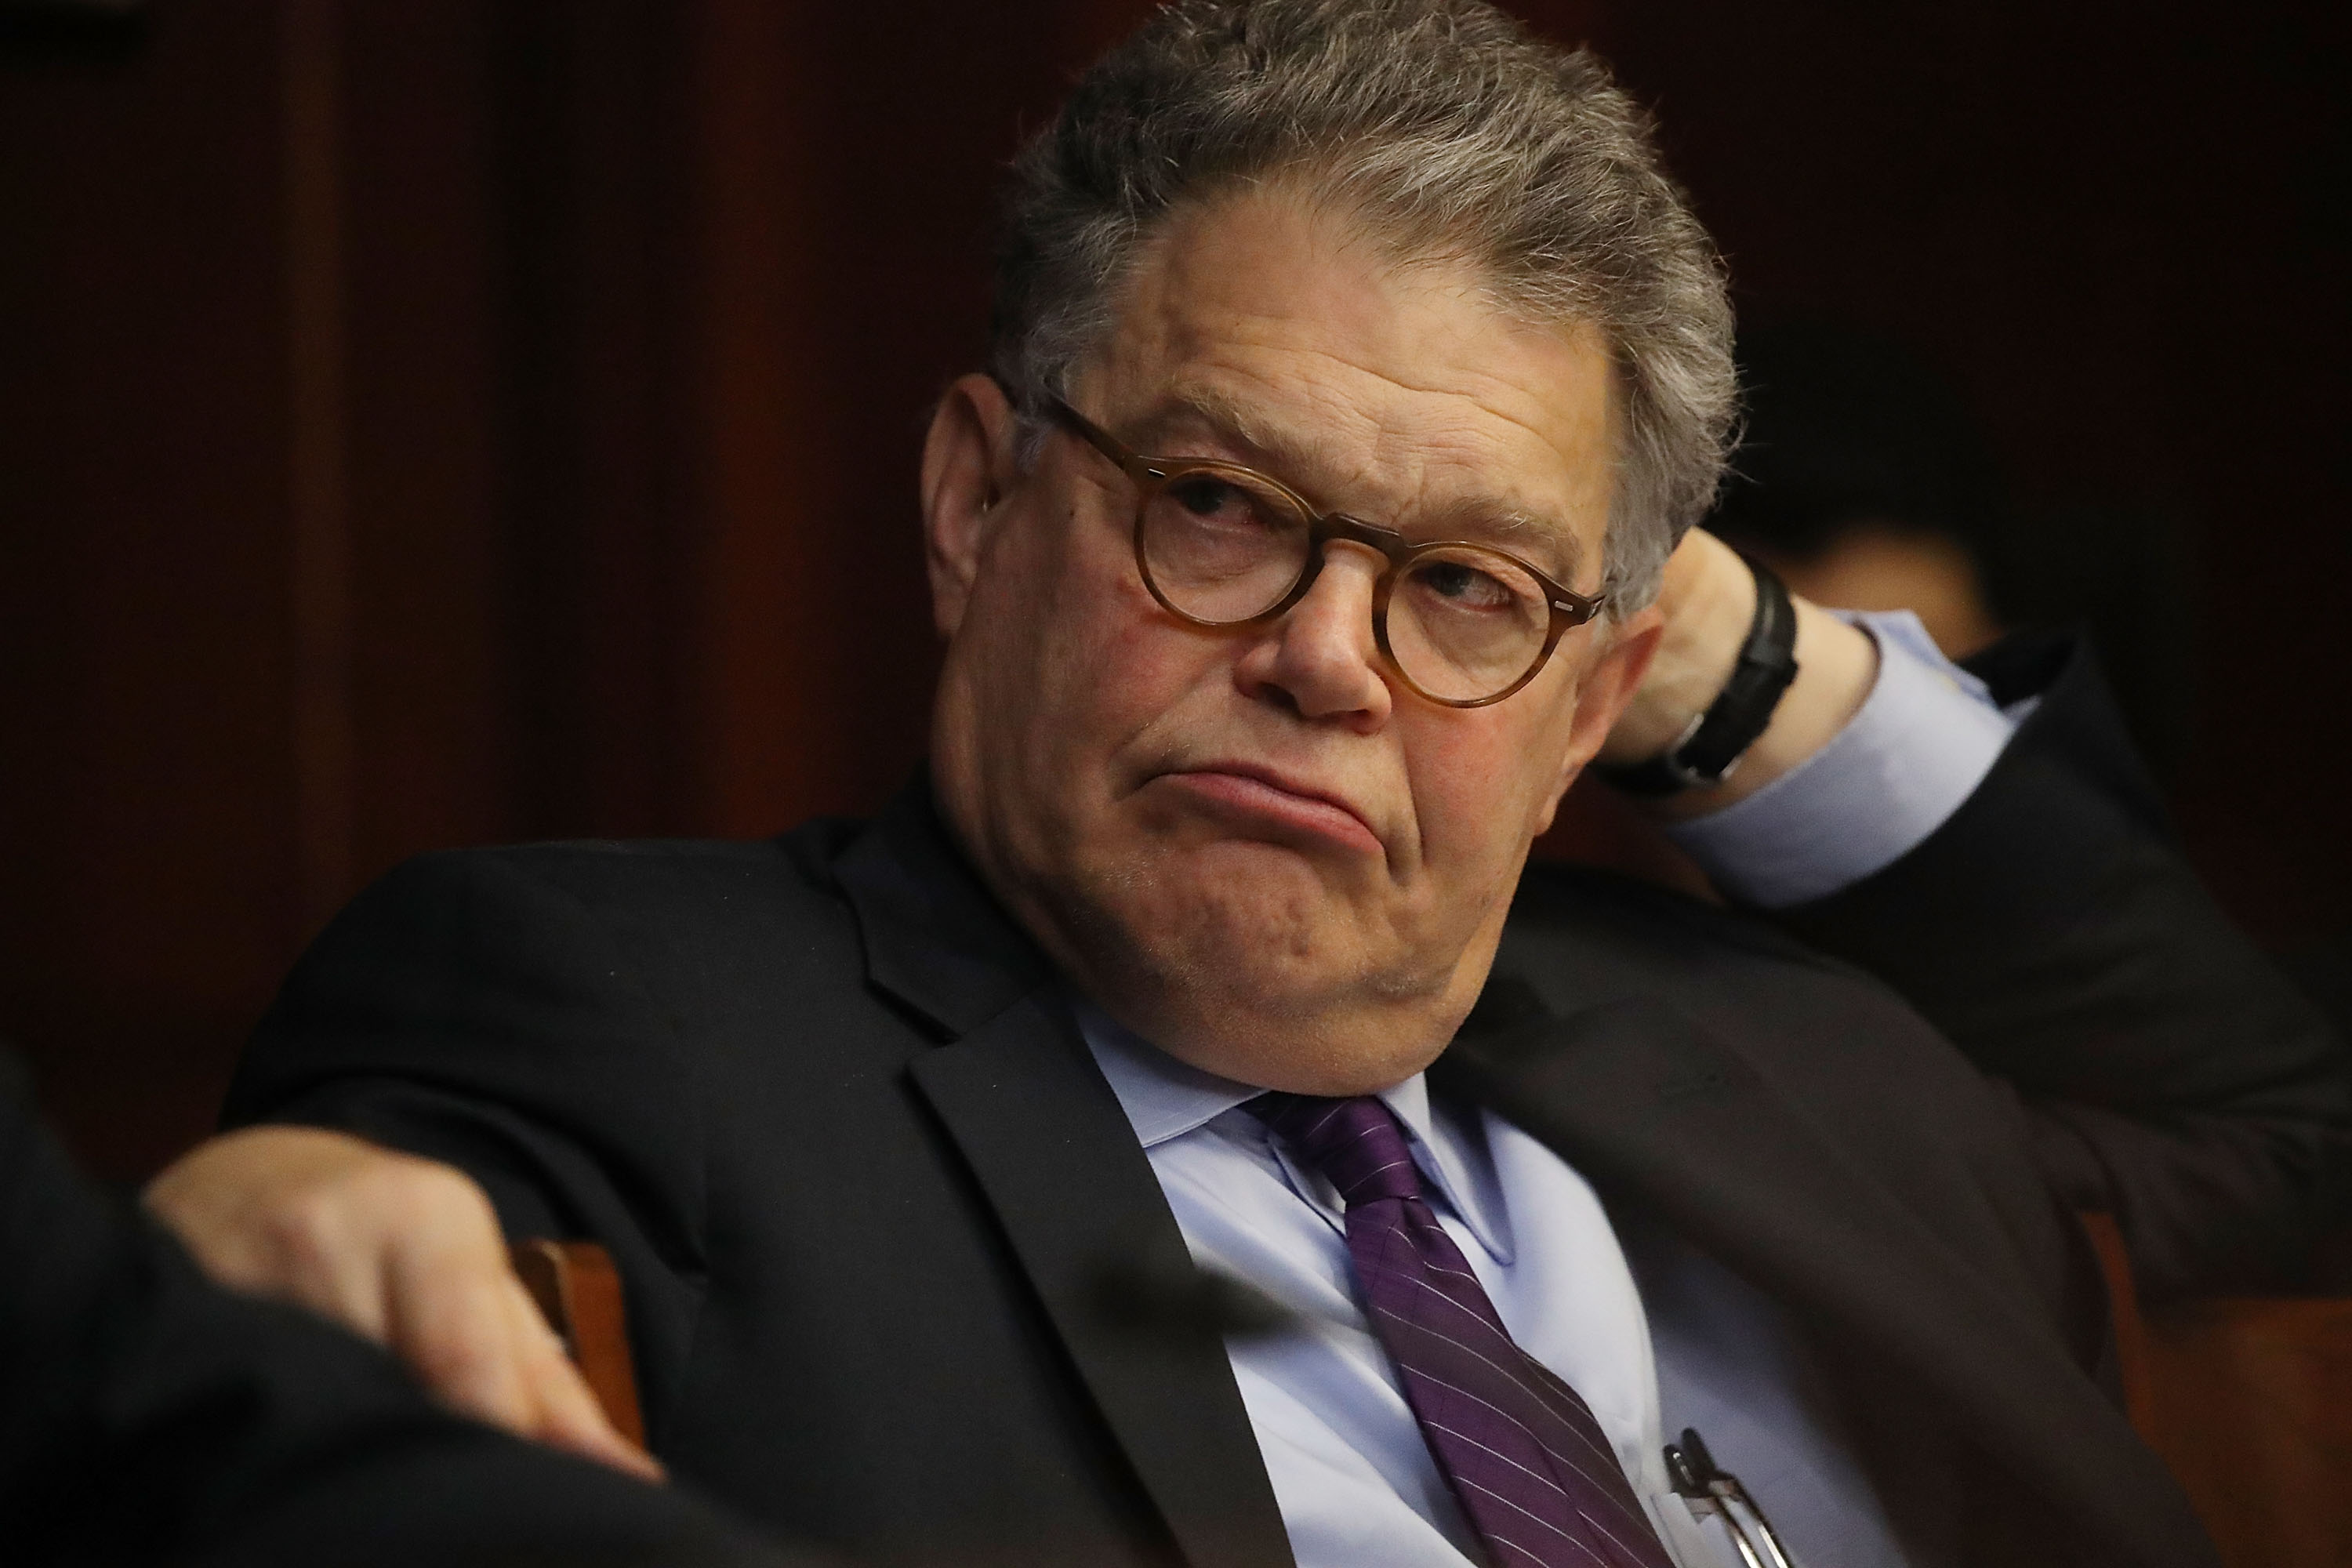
(1165,1099)
(1162,1097)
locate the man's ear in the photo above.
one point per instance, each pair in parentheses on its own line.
(1608,687)
(968,471)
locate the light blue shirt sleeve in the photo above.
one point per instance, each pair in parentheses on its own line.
(1923,741)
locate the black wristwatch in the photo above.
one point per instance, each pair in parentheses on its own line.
(1715,740)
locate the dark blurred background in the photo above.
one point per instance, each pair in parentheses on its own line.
(427,422)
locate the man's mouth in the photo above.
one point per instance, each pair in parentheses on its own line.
(1263,797)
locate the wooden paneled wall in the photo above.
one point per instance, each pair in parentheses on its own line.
(444,421)
(448,421)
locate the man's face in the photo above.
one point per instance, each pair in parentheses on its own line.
(1259,848)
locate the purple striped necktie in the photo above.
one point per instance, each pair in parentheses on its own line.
(1537,1479)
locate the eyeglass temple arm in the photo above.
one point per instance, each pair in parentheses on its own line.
(1094,435)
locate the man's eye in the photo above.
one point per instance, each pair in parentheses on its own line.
(1205,496)
(1465,585)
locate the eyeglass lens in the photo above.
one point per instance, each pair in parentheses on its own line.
(1223,548)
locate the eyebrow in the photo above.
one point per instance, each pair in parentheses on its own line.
(1280,452)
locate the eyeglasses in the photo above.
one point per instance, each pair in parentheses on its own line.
(1221,545)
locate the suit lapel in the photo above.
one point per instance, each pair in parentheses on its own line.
(1650,1107)
(1045,1139)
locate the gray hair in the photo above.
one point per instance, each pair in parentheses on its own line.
(1458,137)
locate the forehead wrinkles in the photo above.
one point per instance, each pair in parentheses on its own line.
(1363,379)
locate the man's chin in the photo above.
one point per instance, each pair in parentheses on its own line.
(1241,914)
(1284,1031)
(1217,967)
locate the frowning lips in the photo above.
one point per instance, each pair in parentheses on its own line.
(1255,791)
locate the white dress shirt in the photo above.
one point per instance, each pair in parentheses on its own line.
(1653,1334)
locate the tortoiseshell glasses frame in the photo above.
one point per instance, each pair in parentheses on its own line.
(1565,608)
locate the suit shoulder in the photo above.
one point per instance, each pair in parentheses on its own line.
(681,918)
(644,874)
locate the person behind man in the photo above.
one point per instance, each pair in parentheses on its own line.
(1862,480)
(153,1417)
(1356,369)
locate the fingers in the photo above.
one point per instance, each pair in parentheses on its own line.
(448,1319)
(567,1413)
(462,1321)
(458,1316)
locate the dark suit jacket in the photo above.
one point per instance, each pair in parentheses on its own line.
(148,1417)
(828,1107)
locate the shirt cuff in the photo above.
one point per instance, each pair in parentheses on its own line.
(1923,741)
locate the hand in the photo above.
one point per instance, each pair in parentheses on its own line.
(406,1252)
(1707,603)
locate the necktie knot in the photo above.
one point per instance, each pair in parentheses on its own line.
(1356,1143)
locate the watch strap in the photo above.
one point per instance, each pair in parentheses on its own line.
(1715,740)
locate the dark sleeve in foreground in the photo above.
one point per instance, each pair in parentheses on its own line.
(2053,931)
(150,1417)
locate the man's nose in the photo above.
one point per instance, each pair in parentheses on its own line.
(1319,659)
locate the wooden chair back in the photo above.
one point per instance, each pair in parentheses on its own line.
(579,1292)
(2249,1401)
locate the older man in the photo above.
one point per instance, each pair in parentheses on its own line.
(1356,371)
